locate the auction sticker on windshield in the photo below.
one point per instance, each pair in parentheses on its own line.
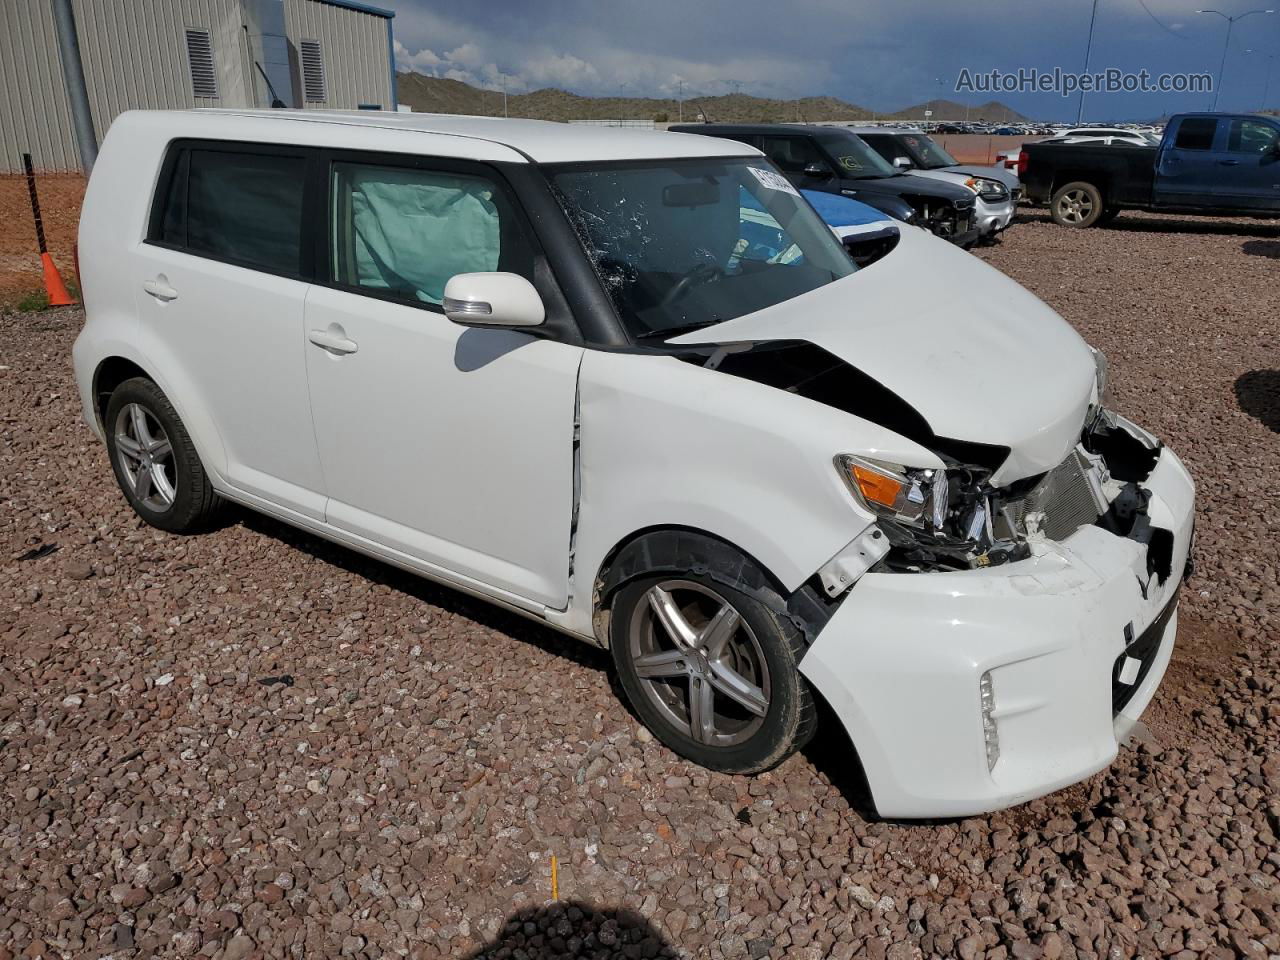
(773,181)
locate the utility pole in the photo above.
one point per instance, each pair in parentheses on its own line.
(64,20)
(1266,86)
(1088,53)
(1226,45)
(504,95)
(680,100)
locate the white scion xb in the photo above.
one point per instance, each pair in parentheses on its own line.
(630,385)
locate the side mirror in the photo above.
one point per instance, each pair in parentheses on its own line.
(816,170)
(902,163)
(492,300)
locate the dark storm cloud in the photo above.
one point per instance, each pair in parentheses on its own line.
(882,54)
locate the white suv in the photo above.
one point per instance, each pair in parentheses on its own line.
(630,385)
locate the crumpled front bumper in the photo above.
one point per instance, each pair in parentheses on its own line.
(902,660)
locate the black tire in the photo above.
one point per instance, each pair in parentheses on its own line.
(192,503)
(787,722)
(1109,214)
(1077,204)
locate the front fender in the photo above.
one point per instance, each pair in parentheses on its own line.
(667,443)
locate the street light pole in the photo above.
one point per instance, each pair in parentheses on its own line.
(1226,45)
(1088,53)
(1266,84)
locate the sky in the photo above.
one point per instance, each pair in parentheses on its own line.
(881,54)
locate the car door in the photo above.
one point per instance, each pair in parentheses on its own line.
(801,160)
(220,283)
(1188,166)
(1250,165)
(452,446)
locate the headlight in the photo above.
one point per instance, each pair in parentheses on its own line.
(932,517)
(912,496)
(992,190)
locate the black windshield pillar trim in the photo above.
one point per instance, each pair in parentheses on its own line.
(596,317)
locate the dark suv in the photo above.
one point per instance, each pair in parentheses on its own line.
(834,160)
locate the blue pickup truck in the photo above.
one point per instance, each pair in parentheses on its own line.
(1207,164)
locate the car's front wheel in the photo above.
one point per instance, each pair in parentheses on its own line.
(712,671)
(154,460)
(1077,204)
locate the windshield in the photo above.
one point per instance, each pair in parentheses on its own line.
(926,154)
(856,160)
(682,244)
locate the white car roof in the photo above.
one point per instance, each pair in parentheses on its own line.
(1100,132)
(861,130)
(492,138)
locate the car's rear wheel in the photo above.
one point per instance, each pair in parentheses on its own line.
(154,460)
(1077,204)
(712,671)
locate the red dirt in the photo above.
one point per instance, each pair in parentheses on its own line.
(60,198)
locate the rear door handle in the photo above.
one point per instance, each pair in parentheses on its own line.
(334,341)
(160,289)
(1229,163)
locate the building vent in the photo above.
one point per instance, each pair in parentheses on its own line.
(312,72)
(204,76)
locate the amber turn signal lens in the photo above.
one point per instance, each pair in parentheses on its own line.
(876,486)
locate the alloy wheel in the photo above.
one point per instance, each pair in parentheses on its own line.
(699,663)
(1075,206)
(145,457)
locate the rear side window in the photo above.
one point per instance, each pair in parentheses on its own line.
(403,232)
(792,154)
(1252,136)
(241,207)
(1196,133)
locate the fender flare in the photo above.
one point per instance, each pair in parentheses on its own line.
(681,550)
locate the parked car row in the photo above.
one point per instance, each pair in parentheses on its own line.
(901,172)
(630,385)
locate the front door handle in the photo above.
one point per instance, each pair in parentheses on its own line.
(160,289)
(335,341)
(1229,163)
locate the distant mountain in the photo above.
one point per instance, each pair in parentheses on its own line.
(438,95)
(992,112)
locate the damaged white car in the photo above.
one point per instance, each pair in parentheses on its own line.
(631,385)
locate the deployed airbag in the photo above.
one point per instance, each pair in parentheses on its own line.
(415,229)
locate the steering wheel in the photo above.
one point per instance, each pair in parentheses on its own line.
(702,273)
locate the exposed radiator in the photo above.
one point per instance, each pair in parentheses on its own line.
(1065,498)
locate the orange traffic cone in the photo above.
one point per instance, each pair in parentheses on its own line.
(53,285)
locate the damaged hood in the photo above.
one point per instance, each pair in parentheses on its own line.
(977,355)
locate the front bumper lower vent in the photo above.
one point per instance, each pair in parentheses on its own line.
(1142,651)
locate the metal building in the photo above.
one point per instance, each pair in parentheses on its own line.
(174,54)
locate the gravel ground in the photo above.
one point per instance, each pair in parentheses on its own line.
(254,744)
